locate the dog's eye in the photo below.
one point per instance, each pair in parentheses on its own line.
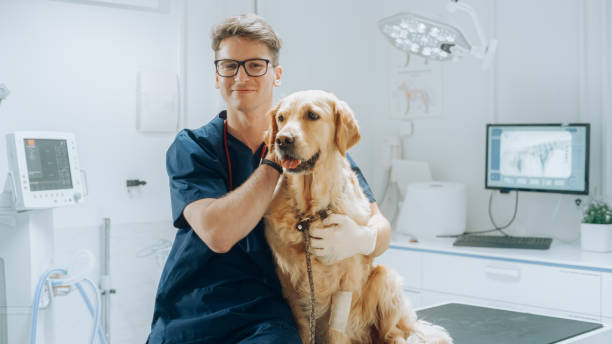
(313,116)
(281,118)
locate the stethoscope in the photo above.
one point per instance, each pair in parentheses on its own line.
(227,155)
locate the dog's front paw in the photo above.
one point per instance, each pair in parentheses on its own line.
(426,333)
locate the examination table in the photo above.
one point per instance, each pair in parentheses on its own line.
(468,324)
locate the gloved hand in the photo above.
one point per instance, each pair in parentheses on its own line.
(339,238)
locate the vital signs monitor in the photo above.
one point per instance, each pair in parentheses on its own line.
(43,169)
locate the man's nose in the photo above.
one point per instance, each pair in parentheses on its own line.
(242,74)
(285,141)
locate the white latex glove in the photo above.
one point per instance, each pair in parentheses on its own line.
(339,238)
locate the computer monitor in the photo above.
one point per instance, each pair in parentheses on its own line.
(43,169)
(538,157)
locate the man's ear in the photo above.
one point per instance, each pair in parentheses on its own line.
(217,82)
(270,135)
(278,71)
(347,130)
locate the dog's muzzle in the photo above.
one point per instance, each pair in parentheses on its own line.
(285,143)
(295,165)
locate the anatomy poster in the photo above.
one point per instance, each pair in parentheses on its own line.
(416,92)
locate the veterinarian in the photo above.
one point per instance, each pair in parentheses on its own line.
(219,283)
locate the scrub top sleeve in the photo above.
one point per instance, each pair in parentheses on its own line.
(362,181)
(194,172)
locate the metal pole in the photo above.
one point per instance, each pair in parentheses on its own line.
(105,280)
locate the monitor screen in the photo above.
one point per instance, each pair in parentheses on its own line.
(48,164)
(538,157)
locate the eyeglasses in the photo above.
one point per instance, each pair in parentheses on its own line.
(253,67)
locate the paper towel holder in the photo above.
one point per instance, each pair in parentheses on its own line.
(424,201)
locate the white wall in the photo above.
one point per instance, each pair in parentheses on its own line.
(73,67)
(547,69)
(607,90)
(203,100)
(137,251)
(552,72)
(453,144)
(604,12)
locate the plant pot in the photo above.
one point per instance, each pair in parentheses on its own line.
(596,237)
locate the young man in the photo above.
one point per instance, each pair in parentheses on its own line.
(219,284)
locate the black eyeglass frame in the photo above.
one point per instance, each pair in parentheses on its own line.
(243,64)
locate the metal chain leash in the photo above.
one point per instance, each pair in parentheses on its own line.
(306,234)
(304,227)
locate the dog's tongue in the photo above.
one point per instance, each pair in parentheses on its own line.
(290,163)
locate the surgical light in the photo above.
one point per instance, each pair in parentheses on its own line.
(433,39)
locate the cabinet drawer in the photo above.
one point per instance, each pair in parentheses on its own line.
(413,298)
(535,285)
(606,295)
(406,263)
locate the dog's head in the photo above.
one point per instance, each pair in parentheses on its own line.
(310,125)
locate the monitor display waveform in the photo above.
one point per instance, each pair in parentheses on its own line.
(536,154)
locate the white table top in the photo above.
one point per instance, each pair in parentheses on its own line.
(568,255)
(600,336)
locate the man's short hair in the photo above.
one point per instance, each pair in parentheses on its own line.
(249,26)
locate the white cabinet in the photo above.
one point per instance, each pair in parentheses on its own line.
(520,283)
(563,281)
(606,295)
(408,265)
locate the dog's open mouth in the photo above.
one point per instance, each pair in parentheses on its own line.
(295,165)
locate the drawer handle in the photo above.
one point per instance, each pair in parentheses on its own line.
(505,273)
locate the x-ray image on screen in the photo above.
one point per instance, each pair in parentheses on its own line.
(536,154)
(538,157)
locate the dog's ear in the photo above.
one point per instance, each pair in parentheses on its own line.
(347,130)
(272,130)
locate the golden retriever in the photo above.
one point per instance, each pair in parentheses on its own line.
(310,132)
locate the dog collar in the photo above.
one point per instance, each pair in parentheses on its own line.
(305,221)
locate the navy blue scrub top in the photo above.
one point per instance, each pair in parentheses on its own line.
(203,296)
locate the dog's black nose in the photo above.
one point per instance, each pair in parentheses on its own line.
(284,141)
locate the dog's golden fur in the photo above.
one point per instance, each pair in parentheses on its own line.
(378,312)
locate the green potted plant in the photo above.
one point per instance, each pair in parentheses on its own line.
(596,227)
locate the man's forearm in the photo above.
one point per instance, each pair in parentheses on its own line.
(233,216)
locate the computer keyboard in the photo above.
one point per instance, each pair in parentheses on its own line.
(536,243)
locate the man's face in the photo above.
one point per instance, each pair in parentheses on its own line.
(242,92)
